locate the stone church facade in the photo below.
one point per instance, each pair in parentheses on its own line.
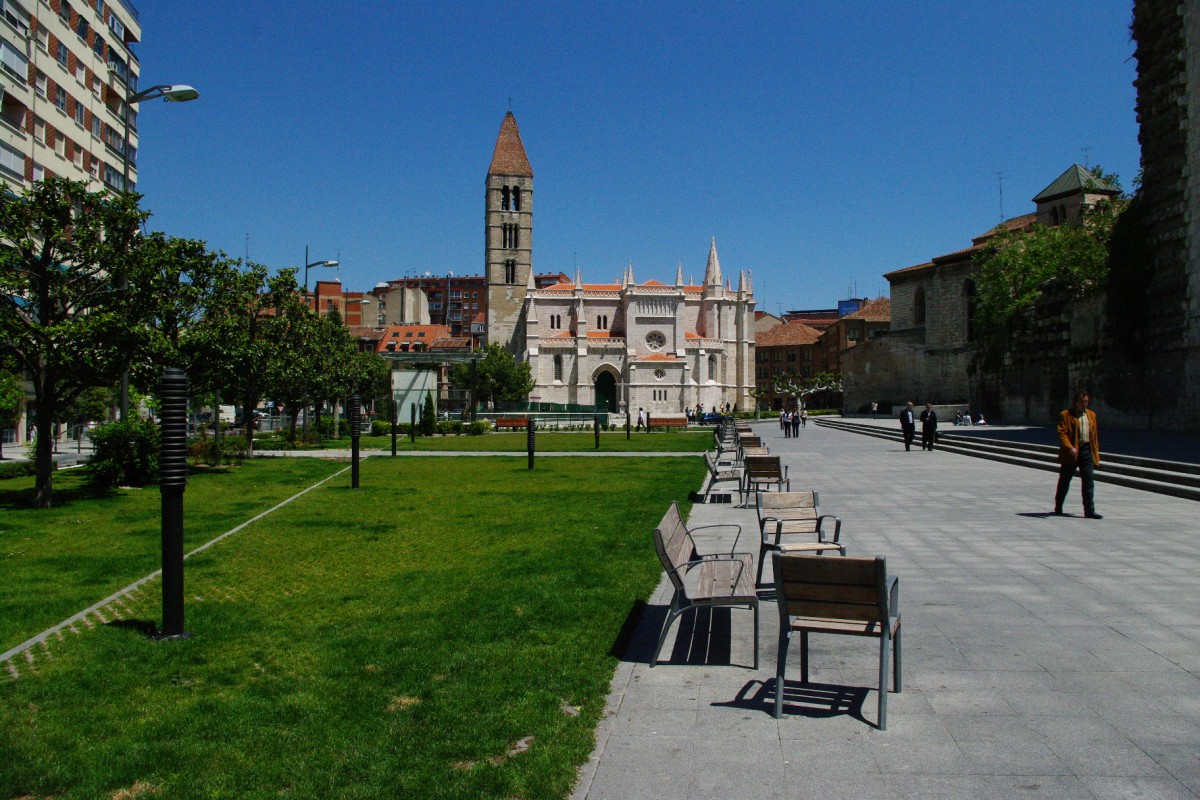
(618,346)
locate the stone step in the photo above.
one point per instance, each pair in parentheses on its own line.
(1151,475)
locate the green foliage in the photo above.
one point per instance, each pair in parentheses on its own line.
(11,393)
(126,454)
(381,427)
(92,405)
(498,376)
(1016,265)
(428,420)
(17,469)
(478,427)
(214,453)
(63,317)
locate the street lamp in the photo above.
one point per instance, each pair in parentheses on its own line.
(171,93)
(308,265)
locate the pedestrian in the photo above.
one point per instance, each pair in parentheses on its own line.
(687,412)
(928,427)
(874,409)
(641,423)
(795,424)
(908,425)
(804,417)
(1078,448)
(783,422)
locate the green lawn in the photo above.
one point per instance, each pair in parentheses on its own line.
(445,631)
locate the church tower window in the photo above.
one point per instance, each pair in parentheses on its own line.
(919,306)
(504,199)
(510,271)
(516,198)
(558,368)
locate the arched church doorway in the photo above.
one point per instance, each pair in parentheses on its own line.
(606,391)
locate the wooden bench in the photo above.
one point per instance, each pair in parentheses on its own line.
(511,422)
(666,421)
(765,471)
(699,581)
(794,513)
(849,596)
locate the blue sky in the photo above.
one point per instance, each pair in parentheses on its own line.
(822,143)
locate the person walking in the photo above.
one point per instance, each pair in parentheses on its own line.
(804,417)
(908,425)
(641,419)
(1078,448)
(783,424)
(874,409)
(928,427)
(796,424)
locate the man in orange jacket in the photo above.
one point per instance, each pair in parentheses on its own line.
(1078,448)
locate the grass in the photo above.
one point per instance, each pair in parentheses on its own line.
(443,632)
(545,441)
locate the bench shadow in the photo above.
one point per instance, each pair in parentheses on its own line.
(1041,514)
(142,626)
(702,636)
(811,700)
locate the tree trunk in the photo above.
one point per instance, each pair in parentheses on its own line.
(44,454)
(293,413)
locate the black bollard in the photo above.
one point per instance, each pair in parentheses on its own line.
(596,429)
(628,429)
(392,417)
(647,422)
(172,480)
(529,439)
(412,427)
(355,432)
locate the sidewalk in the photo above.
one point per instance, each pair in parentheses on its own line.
(1044,657)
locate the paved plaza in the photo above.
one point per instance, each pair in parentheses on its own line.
(1044,657)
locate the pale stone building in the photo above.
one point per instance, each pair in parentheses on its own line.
(619,346)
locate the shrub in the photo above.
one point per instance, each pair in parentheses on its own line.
(125,454)
(448,427)
(232,449)
(381,428)
(428,421)
(478,428)
(18,469)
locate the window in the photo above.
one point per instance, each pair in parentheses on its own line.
(118,66)
(98,47)
(712,368)
(555,322)
(60,99)
(12,162)
(455,295)
(14,62)
(474,295)
(40,83)
(39,172)
(77,155)
(95,126)
(95,85)
(516,198)
(510,271)
(854,333)
(60,54)
(43,39)
(79,119)
(504,199)
(112,177)
(512,236)
(39,129)
(93,167)
(80,72)
(16,15)
(558,368)
(60,144)
(602,322)
(919,306)
(115,25)
(64,11)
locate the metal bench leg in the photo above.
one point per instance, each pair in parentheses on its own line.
(780,669)
(674,615)
(896,659)
(756,637)
(804,657)
(884,641)
(762,555)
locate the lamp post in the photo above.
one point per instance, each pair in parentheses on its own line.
(309,265)
(171,93)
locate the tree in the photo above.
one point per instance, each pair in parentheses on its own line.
(63,318)
(498,376)
(1015,267)
(11,393)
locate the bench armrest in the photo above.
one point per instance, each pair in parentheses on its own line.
(893,590)
(837,528)
(732,526)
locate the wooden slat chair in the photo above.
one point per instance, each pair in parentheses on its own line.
(849,596)
(765,471)
(747,442)
(783,514)
(721,474)
(725,445)
(718,579)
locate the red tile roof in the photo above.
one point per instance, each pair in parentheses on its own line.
(659,357)
(509,157)
(878,310)
(787,333)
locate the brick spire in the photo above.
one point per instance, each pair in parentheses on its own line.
(509,157)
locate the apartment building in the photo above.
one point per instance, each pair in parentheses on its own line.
(66,69)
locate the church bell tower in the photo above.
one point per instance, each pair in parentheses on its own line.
(508,242)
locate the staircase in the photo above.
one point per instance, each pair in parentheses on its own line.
(1176,478)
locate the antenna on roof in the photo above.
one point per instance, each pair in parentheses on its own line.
(1087,157)
(510,102)
(1000,182)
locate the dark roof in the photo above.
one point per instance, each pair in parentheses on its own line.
(509,157)
(1075,180)
(787,333)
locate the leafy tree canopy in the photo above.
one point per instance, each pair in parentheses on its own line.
(498,376)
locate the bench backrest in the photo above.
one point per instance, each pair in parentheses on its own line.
(852,589)
(792,505)
(763,467)
(674,544)
(750,441)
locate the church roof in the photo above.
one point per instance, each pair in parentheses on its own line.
(659,357)
(1074,181)
(509,157)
